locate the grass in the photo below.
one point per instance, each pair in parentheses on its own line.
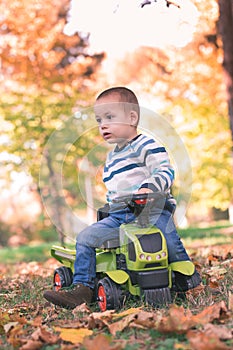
(24,297)
(22,286)
(41,251)
(38,252)
(204,232)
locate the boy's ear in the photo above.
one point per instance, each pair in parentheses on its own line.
(134,118)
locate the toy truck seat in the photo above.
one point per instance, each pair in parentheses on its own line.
(111,244)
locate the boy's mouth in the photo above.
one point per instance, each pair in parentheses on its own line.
(106,135)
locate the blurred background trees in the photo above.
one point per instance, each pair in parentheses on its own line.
(48,76)
(225,31)
(44,74)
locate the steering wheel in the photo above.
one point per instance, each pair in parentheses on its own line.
(140,198)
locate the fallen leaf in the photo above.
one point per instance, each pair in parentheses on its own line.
(216,271)
(199,340)
(32,345)
(213,283)
(8,326)
(127,312)
(73,335)
(227,262)
(195,292)
(37,321)
(42,334)
(211,313)
(15,334)
(100,342)
(223,332)
(145,319)
(119,326)
(68,347)
(230,301)
(4,318)
(178,320)
(211,259)
(100,319)
(101,315)
(83,308)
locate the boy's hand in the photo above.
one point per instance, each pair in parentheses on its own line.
(144,190)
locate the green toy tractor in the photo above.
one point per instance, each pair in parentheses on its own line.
(136,264)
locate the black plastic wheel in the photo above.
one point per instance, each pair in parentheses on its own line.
(157,297)
(63,277)
(108,294)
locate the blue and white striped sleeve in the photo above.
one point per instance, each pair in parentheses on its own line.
(161,172)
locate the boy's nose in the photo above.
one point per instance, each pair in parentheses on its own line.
(103,125)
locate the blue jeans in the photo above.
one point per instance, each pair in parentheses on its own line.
(96,234)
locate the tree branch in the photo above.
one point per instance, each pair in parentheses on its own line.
(168,3)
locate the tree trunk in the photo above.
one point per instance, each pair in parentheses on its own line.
(226,33)
(56,202)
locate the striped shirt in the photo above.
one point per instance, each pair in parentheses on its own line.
(141,163)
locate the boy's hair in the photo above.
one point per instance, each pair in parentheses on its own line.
(125,94)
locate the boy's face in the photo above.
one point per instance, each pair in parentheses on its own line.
(117,122)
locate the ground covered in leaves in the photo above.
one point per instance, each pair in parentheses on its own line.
(202,322)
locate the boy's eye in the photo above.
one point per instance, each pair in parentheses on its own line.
(109,116)
(98,120)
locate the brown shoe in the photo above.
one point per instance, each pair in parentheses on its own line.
(70,297)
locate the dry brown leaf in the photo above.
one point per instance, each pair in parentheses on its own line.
(145,319)
(223,332)
(213,312)
(13,336)
(96,323)
(83,308)
(199,340)
(42,334)
(195,292)
(101,315)
(122,324)
(227,262)
(32,345)
(230,301)
(216,271)
(100,319)
(73,335)
(127,312)
(100,342)
(37,321)
(8,326)
(213,283)
(68,347)
(212,259)
(178,320)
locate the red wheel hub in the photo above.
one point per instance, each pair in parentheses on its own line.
(57,282)
(102,298)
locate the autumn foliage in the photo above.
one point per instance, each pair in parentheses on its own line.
(201,322)
(45,76)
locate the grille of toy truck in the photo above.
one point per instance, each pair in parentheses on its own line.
(151,243)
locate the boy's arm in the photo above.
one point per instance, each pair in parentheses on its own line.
(160,172)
